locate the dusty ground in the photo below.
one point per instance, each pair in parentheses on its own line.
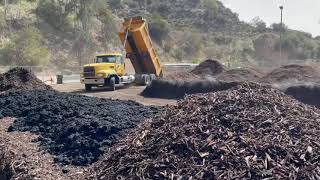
(123,93)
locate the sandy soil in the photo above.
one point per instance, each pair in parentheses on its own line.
(122,93)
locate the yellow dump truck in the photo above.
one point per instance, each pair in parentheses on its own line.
(109,69)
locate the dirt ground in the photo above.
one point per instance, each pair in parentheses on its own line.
(122,93)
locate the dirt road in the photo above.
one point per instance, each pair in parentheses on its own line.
(123,93)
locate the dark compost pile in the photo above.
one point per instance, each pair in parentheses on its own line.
(308,94)
(208,68)
(75,128)
(178,89)
(21,79)
(250,132)
(292,74)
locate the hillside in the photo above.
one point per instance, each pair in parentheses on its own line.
(67,34)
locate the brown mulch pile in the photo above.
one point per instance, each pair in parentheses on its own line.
(21,79)
(292,74)
(250,132)
(21,158)
(239,75)
(182,76)
(208,68)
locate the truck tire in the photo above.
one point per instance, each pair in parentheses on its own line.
(88,87)
(113,83)
(146,79)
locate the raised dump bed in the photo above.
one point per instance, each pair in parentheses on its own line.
(139,48)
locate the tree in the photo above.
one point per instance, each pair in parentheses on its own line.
(259,24)
(25,49)
(211,7)
(159,28)
(3,23)
(115,3)
(105,16)
(194,45)
(318,52)
(240,50)
(276,27)
(55,13)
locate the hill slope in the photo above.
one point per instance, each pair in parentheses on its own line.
(67,34)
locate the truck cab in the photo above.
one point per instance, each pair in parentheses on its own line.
(107,70)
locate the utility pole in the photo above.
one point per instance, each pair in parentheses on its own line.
(5,8)
(145,8)
(281,27)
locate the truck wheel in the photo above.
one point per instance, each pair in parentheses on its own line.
(113,83)
(88,87)
(146,80)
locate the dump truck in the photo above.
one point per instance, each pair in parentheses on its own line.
(109,69)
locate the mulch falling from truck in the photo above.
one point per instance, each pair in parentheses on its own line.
(249,132)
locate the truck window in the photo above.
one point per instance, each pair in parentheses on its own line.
(107,59)
(119,60)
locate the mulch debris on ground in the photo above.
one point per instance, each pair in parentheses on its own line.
(75,128)
(208,68)
(292,74)
(250,132)
(21,79)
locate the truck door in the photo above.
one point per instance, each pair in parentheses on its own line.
(120,69)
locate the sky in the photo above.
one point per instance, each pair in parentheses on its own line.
(303,15)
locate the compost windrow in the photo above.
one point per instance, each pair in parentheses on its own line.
(178,89)
(21,79)
(293,73)
(248,132)
(209,68)
(75,128)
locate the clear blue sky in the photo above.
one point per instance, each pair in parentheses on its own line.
(301,15)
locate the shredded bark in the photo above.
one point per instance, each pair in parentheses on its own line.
(250,132)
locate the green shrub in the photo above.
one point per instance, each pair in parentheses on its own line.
(298,44)
(54,14)
(195,61)
(193,45)
(3,23)
(159,28)
(25,49)
(178,54)
(211,7)
(115,3)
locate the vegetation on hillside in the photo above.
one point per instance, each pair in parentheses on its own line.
(67,33)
